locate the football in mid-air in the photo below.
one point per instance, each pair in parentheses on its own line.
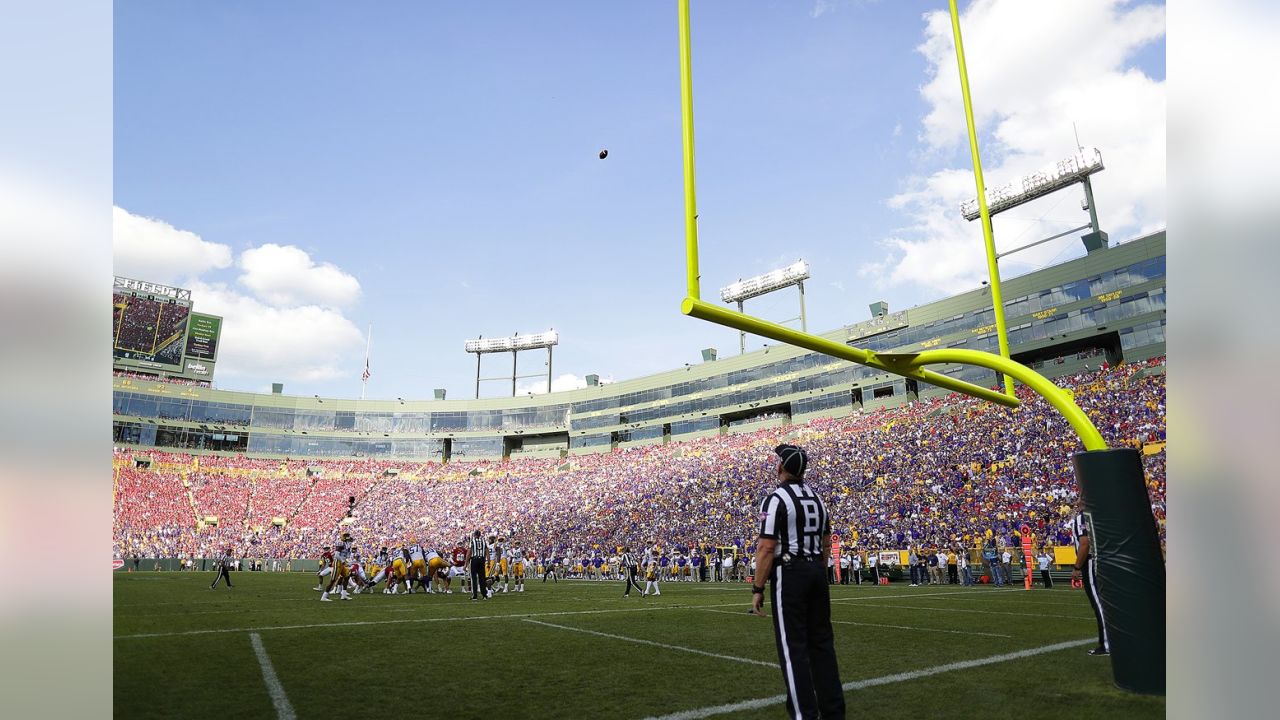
(604,154)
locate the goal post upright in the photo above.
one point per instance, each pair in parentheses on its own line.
(988,239)
(694,306)
(1130,569)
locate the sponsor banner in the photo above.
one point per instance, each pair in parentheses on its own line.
(202,336)
(890,557)
(117,563)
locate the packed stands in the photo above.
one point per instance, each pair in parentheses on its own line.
(948,471)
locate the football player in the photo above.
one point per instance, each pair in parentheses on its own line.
(495,565)
(359,581)
(650,579)
(436,570)
(417,567)
(515,565)
(326,568)
(341,570)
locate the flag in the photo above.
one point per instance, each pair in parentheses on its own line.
(365,376)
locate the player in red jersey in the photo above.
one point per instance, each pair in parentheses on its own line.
(458,556)
(326,568)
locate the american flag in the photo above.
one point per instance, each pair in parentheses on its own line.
(365,376)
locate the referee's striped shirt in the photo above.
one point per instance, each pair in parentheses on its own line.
(628,560)
(1080,529)
(797,518)
(478,547)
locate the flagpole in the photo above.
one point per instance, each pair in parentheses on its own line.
(364,378)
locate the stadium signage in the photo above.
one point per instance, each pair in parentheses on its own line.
(877,325)
(117,563)
(122,283)
(197,368)
(202,336)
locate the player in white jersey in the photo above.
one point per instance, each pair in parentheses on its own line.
(342,551)
(496,562)
(359,581)
(383,561)
(515,566)
(417,562)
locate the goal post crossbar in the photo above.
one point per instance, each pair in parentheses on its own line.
(910,365)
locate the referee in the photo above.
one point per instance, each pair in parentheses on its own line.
(475,558)
(795,540)
(1087,566)
(224,565)
(629,572)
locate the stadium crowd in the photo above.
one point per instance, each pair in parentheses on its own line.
(948,472)
(129,376)
(141,323)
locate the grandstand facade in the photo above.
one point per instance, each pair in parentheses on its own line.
(1106,306)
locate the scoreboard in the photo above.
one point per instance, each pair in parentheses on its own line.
(154,329)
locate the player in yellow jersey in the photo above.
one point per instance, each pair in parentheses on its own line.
(341,569)
(501,566)
(417,567)
(514,562)
(437,567)
(651,579)
(399,572)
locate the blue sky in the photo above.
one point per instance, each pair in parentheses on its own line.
(431,168)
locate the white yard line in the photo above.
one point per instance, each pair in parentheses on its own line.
(352,623)
(1081,603)
(640,641)
(284,710)
(896,627)
(982,612)
(905,595)
(883,680)
(921,629)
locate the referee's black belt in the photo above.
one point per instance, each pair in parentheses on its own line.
(789,559)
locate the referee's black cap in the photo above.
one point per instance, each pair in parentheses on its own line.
(794,459)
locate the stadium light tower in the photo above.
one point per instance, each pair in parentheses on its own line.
(513,345)
(794,274)
(1060,175)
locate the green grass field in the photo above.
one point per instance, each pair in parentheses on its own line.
(579,650)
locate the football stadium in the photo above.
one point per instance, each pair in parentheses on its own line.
(979,487)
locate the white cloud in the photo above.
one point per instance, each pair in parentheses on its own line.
(291,331)
(260,341)
(284,275)
(567,381)
(148,249)
(1034,68)
(821,7)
